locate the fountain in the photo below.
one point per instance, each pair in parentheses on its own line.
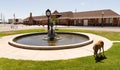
(51,31)
(50,40)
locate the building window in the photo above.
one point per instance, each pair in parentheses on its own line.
(100,20)
(79,21)
(92,20)
(75,21)
(111,20)
(107,20)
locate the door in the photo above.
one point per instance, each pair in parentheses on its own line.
(85,22)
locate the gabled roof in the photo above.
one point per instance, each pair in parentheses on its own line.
(66,15)
(81,15)
(55,12)
(96,14)
(40,18)
(37,18)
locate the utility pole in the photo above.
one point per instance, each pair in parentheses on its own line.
(102,18)
(14,18)
(1,17)
(75,17)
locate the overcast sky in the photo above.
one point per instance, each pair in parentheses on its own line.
(22,8)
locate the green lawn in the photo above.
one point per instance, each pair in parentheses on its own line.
(108,34)
(85,63)
(20,32)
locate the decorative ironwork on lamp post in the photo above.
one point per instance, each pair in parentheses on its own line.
(102,19)
(48,14)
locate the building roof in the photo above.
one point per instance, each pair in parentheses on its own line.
(96,14)
(68,14)
(55,12)
(64,16)
(40,18)
(37,18)
(107,13)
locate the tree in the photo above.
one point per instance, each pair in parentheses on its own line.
(54,20)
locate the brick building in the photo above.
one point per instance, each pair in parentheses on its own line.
(89,18)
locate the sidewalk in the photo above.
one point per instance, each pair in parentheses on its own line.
(114,29)
(9,27)
(7,51)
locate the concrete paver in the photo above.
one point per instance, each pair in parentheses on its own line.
(11,52)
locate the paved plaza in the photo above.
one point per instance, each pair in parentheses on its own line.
(7,51)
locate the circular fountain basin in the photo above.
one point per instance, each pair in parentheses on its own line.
(37,41)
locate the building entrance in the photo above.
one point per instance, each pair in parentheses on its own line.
(85,22)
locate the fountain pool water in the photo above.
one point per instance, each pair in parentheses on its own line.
(38,41)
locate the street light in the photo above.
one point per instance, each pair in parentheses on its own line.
(48,14)
(102,18)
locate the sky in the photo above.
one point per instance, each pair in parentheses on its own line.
(22,8)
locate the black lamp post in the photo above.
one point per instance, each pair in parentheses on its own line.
(102,18)
(48,14)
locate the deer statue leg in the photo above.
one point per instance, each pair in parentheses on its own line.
(102,46)
(103,50)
